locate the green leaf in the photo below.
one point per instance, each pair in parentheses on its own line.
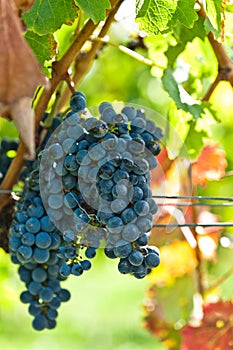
(154,15)
(194,141)
(64,37)
(185,13)
(95,9)
(46,16)
(44,46)
(184,35)
(175,92)
(175,301)
(176,132)
(213,20)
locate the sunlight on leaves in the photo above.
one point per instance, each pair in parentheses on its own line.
(177,259)
(210,165)
(215,331)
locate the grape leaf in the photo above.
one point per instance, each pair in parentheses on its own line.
(210,165)
(185,13)
(177,259)
(215,331)
(194,141)
(20,75)
(172,87)
(219,273)
(23,116)
(213,20)
(184,35)
(161,328)
(24,4)
(46,16)
(174,301)
(166,306)
(95,9)
(19,70)
(154,15)
(44,46)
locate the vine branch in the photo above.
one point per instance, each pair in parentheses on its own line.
(225,65)
(224,277)
(83,62)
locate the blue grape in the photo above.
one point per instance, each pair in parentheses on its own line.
(128,215)
(90,252)
(43,240)
(104,105)
(115,224)
(124,266)
(64,295)
(130,232)
(55,201)
(24,253)
(39,323)
(122,249)
(25,274)
(77,270)
(65,270)
(26,297)
(46,294)
(34,287)
(39,275)
(34,308)
(77,102)
(41,255)
(136,258)
(141,208)
(55,151)
(32,225)
(86,264)
(152,260)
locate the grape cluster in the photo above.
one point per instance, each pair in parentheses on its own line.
(33,244)
(90,186)
(99,186)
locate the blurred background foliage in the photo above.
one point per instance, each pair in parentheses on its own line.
(110,311)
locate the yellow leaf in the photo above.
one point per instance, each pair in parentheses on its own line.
(177,259)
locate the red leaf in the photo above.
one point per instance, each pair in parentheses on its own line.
(210,165)
(215,331)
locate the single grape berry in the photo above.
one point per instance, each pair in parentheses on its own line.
(77,102)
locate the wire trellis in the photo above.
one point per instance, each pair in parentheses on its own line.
(202,201)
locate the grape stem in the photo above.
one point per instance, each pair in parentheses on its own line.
(225,65)
(222,279)
(83,61)
(130,53)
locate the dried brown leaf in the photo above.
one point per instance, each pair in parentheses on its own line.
(24,4)
(19,70)
(23,116)
(20,74)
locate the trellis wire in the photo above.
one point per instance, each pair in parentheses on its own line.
(184,204)
(190,204)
